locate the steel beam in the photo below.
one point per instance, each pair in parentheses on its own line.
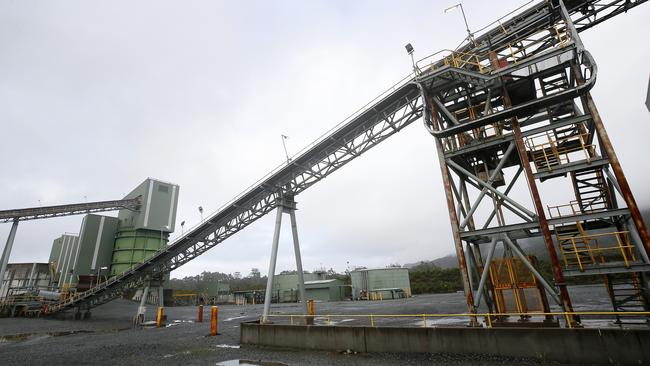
(490,188)
(34,213)
(541,216)
(271,274)
(486,271)
(296,248)
(522,257)
(489,182)
(451,209)
(6,252)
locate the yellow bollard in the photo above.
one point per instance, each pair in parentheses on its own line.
(214,321)
(381,297)
(310,309)
(159,317)
(200,320)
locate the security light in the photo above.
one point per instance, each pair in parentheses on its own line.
(409,48)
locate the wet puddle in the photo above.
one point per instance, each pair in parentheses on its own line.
(249,363)
(177,322)
(15,338)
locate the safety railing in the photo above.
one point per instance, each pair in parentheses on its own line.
(555,152)
(458,59)
(466,60)
(514,53)
(593,249)
(429,320)
(576,207)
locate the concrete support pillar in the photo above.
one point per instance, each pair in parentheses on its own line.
(4,260)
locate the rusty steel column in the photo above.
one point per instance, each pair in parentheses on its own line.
(626,191)
(455,226)
(541,216)
(460,252)
(606,145)
(537,201)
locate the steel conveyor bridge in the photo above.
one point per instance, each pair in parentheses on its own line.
(383,117)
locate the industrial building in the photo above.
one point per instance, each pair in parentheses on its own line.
(20,277)
(141,233)
(326,290)
(61,257)
(285,286)
(380,283)
(105,246)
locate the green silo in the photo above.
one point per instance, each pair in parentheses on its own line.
(134,246)
(141,233)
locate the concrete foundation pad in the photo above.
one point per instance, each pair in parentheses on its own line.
(590,346)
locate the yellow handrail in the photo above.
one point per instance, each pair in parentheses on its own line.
(488,316)
(622,244)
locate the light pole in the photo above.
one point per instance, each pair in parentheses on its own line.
(201,212)
(182,224)
(410,50)
(285,137)
(470,36)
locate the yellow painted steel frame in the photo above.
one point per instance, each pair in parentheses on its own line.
(518,280)
(596,251)
(558,154)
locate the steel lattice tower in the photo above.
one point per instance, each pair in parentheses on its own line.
(513,107)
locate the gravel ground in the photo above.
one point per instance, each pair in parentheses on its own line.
(108,338)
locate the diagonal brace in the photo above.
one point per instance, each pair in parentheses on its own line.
(490,188)
(491,179)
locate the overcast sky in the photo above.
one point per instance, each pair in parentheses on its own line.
(97,96)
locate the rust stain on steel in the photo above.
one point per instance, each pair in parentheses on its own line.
(460,252)
(541,216)
(539,208)
(620,176)
(606,144)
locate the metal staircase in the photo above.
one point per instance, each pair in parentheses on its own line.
(574,245)
(591,191)
(628,294)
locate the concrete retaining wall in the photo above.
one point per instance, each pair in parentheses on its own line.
(591,346)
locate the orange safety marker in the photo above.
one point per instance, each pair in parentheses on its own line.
(214,321)
(200,320)
(159,317)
